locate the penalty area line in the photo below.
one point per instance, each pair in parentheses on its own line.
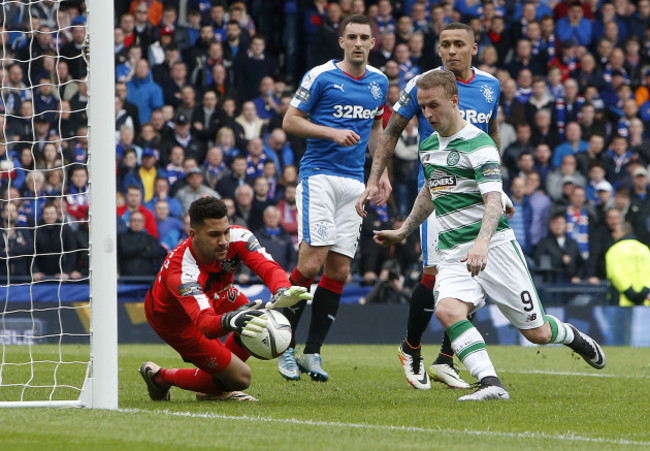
(378,427)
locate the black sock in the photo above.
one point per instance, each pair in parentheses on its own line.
(293,314)
(446,355)
(420,313)
(410,350)
(324,308)
(491,380)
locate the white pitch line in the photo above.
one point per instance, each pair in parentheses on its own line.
(527,435)
(569,373)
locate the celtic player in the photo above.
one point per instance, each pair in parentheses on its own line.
(463,185)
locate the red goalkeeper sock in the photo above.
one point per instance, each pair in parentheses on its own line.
(187,379)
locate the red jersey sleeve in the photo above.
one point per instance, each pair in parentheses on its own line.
(253,255)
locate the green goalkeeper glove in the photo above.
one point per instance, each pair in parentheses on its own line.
(288,297)
(245,321)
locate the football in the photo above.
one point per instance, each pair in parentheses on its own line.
(271,342)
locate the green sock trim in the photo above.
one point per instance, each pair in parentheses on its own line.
(470,350)
(456,330)
(553,324)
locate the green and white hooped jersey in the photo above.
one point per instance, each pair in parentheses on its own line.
(459,169)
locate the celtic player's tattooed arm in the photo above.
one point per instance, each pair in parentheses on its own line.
(422,209)
(476,258)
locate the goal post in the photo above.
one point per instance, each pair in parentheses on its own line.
(96,372)
(102,210)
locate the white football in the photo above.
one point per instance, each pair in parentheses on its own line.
(272,341)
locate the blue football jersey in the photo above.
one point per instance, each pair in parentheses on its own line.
(335,99)
(478,101)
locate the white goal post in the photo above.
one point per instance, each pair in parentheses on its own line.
(99,389)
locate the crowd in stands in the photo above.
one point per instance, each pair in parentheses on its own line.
(202,87)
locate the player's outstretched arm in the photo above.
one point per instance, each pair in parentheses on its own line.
(382,155)
(476,258)
(422,209)
(296,123)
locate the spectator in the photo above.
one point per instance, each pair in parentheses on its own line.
(540,205)
(133,205)
(250,121)
(194,189)
(521,222)
(289,212)
(544,130)
(572,146)
(559,253)
(581,219)
(162,71)
(230,182)
(523,59)
(182,136)
(639,143)
(639,212)
(237,39)
(45,103)
(251,66)
(542,166)
(77,196)
(600,240)
(144,92)
(541,99)
(126,142)
(226,142)
(261,198)
(170,228)
(207,118)
(616,160)
(148,137)
(279,149)
(138,252)
(406,164)
(161,193)
(214,167)
(16,253)
(384,52)
(266,104)
(256,158)
(575,27)
(143,28)
(326,39)
(244,206)
(55,245)
(188,101)
(565,174)
(121,91)
(628,268)
(510,156)
(593,155)
(173,86)
(371,255)
(276,240)
(145,175)
(596,176)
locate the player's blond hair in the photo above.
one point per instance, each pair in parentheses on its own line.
(444,78)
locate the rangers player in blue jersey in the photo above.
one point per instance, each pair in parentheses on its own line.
(338,107)
(478,102)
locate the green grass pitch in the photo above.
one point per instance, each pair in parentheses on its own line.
(558,402)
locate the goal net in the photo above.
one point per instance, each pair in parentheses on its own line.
(58,312)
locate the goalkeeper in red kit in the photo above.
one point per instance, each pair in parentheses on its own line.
(192,303)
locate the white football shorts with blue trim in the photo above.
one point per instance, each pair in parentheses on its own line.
(326,213)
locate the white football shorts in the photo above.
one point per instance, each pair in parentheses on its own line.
(326,212)
(505,279)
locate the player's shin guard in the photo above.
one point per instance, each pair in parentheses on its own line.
(420,310)
(469,346)
(324,307)
(561,333)
(293,314)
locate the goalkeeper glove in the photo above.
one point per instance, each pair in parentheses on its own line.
(245,321)
(288,297)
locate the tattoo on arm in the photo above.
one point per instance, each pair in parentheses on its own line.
(422,209)
(491,215)
(387,142)
(493,131)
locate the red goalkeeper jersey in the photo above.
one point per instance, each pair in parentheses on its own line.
(186,291)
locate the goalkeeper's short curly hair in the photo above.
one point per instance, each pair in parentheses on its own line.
(206,208)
